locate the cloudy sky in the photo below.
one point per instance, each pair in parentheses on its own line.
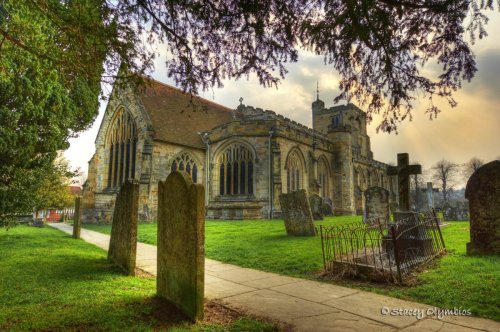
(470,129)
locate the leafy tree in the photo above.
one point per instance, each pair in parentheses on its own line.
(48,89)
(36,189)
(445,173)
(470,167)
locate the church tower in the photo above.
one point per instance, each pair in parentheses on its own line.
(317,106)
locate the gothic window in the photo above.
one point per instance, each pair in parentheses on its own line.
(336,121)
(236,165)
(184,162)
(294,172)
(323,177)
(122,147)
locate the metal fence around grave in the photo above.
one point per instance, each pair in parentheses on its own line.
(377,250)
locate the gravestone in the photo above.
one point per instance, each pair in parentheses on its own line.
(77,218)
(37,222)
(297,213)
(456,212)
(316,204)
(411,236)
(123,241)
(377,204)
(327,207)
(181,243)
(403,171)
(483,193)
(430,194)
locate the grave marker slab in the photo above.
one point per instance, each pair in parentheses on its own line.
(181,243)
(297,213)
(483,193)
(77,218)
(123,241)
(316,204)
(377,203)
(327,207)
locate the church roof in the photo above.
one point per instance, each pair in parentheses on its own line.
(178,117)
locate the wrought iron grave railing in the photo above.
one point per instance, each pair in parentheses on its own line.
(380,250)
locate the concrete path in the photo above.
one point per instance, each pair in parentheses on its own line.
(307,305)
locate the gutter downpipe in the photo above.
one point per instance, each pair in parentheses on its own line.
(204,137)
(271,132)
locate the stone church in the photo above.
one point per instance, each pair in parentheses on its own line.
(245,157)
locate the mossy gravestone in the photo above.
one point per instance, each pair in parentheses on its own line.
(297,213)
(483,193)
(77,219)
(181,243)
(123,242)
(316,204)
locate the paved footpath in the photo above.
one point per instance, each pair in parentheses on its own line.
(307,305)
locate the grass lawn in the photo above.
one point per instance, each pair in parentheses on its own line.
(454,281)
(51,282)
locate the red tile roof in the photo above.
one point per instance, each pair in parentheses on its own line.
(177,117)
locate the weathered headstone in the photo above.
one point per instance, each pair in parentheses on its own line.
(430,194)
(123,241)
(77,218)
(316,203)
(37,222)
(455,212)
(327,206)
(403,171)
(483,193)
(297,213)
(181,243)
(377,203)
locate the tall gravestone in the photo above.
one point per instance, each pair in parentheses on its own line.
(430,194)
(181,243)
(316,204)
(377,204)
(297,213)
(123,241)
(483,193)
(77,219)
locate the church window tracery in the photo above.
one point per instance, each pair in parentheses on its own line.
(236,168)
(184,162)
(294,172)
(122,147)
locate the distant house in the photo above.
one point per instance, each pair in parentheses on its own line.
(54,215)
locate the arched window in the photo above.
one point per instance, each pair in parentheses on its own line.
(324,177)
(294,172)
(236,165)
(184,162)
(122,147)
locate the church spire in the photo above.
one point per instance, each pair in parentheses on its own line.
(317,90)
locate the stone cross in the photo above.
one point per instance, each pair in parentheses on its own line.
(430,194)
(403,171)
